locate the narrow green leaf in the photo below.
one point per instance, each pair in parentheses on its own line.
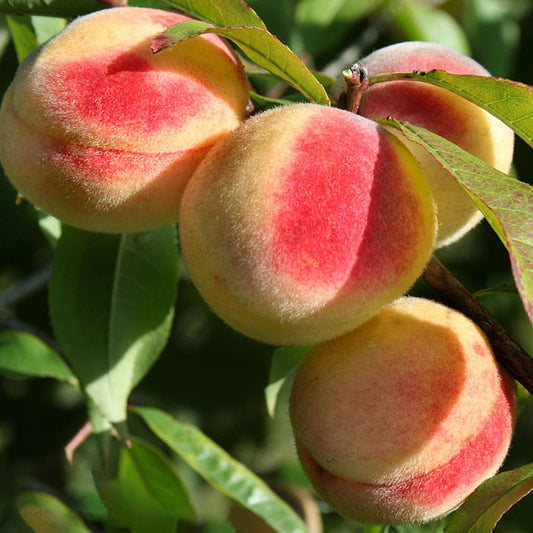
(22,355)
(483,509)
(260,46)
(46,514)
(285,360)
(52,8)
(220,12)
(112,300)
(226,474)
(506,202)
(147,495)
(506,289)
(510,101)
(23,35)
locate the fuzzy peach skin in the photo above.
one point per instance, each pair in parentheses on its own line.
(441,112)
(401,419)
(103,134)
(305,221)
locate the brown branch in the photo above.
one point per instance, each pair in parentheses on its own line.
(509,354)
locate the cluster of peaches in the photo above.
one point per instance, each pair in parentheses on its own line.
(300,225)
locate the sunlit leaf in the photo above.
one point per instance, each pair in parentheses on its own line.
(483,509)
(22,355)
(112,300)
(146,495)
(510,101)
(221,470)
(260,46)
(285,360)
(220,12)
(23,35)
(506,202)
(44,513)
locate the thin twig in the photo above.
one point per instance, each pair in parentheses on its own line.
(508,352)
(26,287)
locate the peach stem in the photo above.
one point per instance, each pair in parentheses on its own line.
(356,78)
(508,352)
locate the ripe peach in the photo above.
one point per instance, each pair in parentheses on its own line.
(441,112)
(98,131)
(305,221)
(401,419)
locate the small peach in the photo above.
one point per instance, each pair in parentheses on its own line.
(444,113)
(304,222)
(401,419)
(101,133)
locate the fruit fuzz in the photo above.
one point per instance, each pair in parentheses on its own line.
(401,419)
(102,133)
(444,113)
(303,222)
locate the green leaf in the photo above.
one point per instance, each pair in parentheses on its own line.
(112,301)
(220,12)
(506,202)
(23,35)
(52,8)
(285,360)
(419,21)
(482,510)
(47,27)
(46,514)
(260,46)
(226,474)
(22,355)
(510,101)
(147,495)
(505,289)
(322,13)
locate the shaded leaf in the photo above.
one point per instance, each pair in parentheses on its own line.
(483,509)
(285,360)
(217,467)
(112,301)
(53,8)
(46,514)
(510,101)
(506,289)
(322,13)
(419,21)
(220,12)
(260,46)
(22,355)
(147,495)
(506,202)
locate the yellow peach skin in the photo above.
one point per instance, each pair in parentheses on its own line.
(441,112)
(305,221)
(401,419)
(103,134)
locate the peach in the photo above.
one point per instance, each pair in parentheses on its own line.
(305,221)
(443,113)
(103,134)
(401,419)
